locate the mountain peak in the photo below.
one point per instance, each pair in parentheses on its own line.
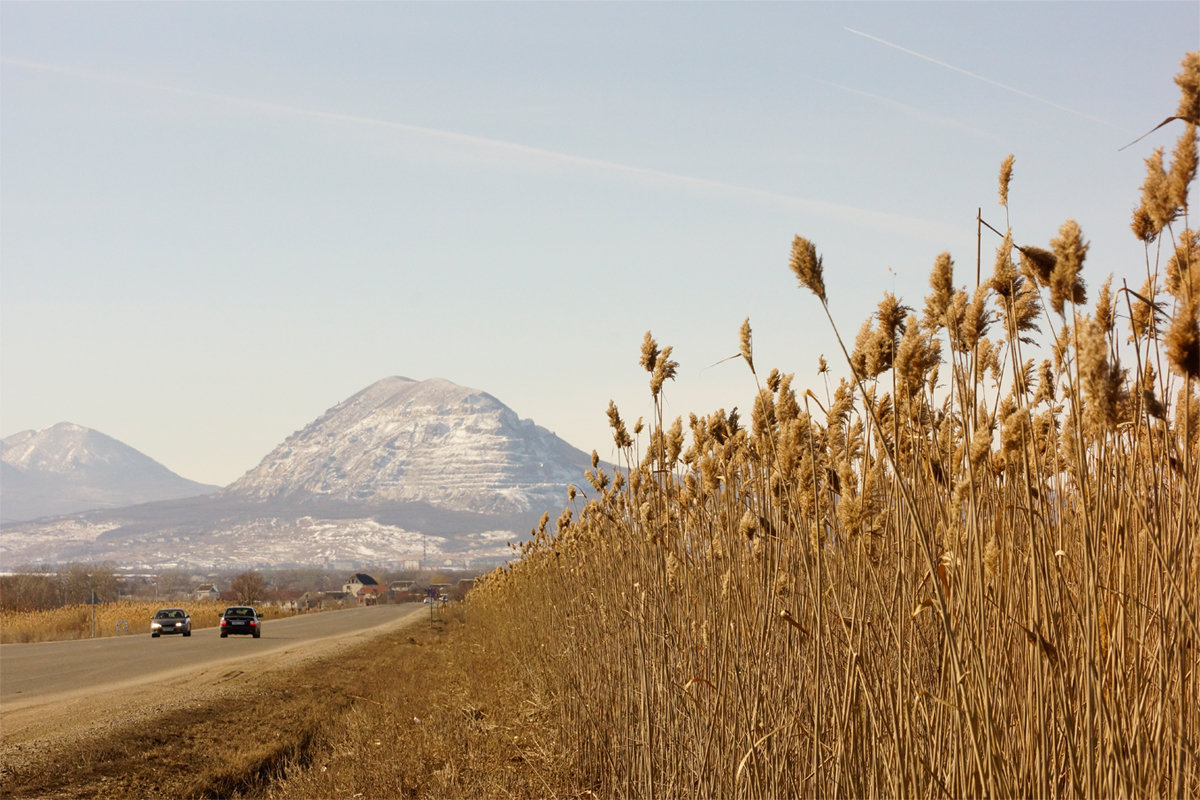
(433,441)
(399,392)
(67,468)
(67,448)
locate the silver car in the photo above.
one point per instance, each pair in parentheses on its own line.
(170,620)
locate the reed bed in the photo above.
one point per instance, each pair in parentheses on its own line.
(120,618)
(971,569)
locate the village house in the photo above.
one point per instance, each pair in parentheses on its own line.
(357,582)
(207,591)
(364,589)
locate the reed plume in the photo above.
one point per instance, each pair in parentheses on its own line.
(807,267)
(1066,284)
(1006,173)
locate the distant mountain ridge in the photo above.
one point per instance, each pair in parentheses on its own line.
(68,468)
(402,470)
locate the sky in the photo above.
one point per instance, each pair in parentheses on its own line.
(219,220)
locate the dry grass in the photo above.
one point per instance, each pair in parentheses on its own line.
(111,619)
(442,718)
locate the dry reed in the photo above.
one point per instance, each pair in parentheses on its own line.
(969,572)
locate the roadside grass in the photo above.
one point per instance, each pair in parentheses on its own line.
(112,619)
(447,718)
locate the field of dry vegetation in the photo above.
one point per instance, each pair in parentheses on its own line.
(971,570)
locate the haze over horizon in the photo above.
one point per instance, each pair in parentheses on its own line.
(221,220)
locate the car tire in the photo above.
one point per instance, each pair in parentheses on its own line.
(257,635)
(223,634)
(187,633)
(154,636)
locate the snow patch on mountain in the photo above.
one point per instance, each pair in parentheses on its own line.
(242,544)
(23,544)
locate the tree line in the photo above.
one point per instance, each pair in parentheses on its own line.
(34,589)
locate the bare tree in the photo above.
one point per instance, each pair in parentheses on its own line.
(80,581)
(173,583)
(249,587)
(30,589)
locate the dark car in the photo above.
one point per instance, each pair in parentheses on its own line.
(241,619)
(170,620)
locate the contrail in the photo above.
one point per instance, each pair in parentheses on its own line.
(910,110)
(989,81)
(884,221)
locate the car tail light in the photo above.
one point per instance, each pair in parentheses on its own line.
(252,623)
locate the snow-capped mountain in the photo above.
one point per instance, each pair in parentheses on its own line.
(68,468)
(402,471)
(429,441)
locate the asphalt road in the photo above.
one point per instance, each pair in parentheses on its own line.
(31,673)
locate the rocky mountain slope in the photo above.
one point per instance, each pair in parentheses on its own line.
(430,441)
(68,468)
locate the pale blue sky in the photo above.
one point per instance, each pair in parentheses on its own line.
(217,220)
